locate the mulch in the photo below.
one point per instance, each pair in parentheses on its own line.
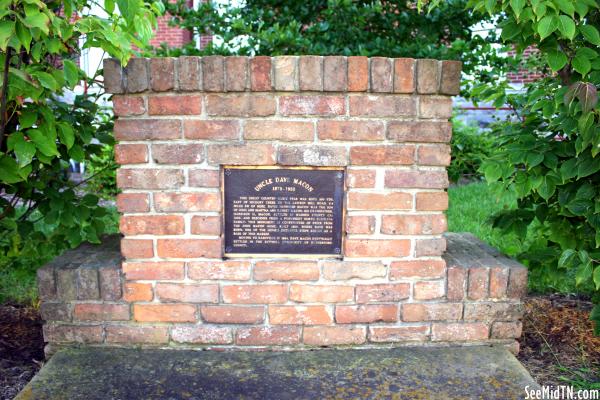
(557,347)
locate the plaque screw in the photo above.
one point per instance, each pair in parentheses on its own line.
(337,250)
(228,249)
(227,172)
(339,175)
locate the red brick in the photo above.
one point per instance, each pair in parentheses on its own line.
(335,74)
(137,248)
(206,225)
(517,283)
(382,155)
(314,155)
(433,155)
(175,105)
(333,335)
(189,248)
(457,278)
(312,105)
(321,293)
(187,202)
(450,77)
(246,154)
(254,294)
(101,312)
(299,315)
(153,270)
(113,76)
(286,131)
(178,153)
(213,73)
(138,292)
(73,333)
(344,270)
(459,332)
(382,292)
(211,130)
(202,334)
(368,313)
(286,271)
(164,312)
(404,75)
(133,202)
(427,76)
(126,106)
(148,178)
(414,312)
(420,131)
(189,73)
(483,311)
(162,73)
(379,201)
(377,248)
(435,107)
(110,282)
(433,247)
(147,129)
(131,153)
(429,290)
(360,224)
(382,334)
(285,71)
(358,74)
(417,269)
(233,314)
(498,282)
(267,336)
(361,178)
(208,293)
(310,70)
(507,330)
(260,73)
(382,106)
(137,77)
(220,270)
(236,72)
(350,130)
(411,224)
(128,334)
(478,283)
(431,201)
(204,178)
(151,225)
(240,105)
(381,74)
(422,179)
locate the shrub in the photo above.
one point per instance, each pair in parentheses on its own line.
(470,147)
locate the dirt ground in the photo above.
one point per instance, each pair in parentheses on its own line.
(557,347)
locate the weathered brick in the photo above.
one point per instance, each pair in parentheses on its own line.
(147,129)
(153,270)
(138,79)
(506,330)
(164,312)
(129,334)
(236,72)
(66,284)
(410,224)
(366,313)
(152,225)
(403,154)
(358,74)
(187,202)
(457,278)
(450,77)
(382,292)
(135,291)
(415,312)
(240,105)
(260,74)
(55,311)
(382,106)
(421,179)
(101,312)
(148,178)
(207,293)
(480,311)
(361,178)
(427,76)
(344,270)
(420,131)
(254,294)
(310,69)
(46,283)
(310,105)
(285,70)
(477,288)
(208,178)
(433,247)
(404,75)
(213,73)
(131,153)
(246,154)
(431,201)
(233,314)
(189,248)
(178,153)
(433,155)
(267,336)
(381,75)
(299,315)
(429,290)
(321,293)
(126,106)
(517,283)
(113,78)
(137,248)
(498,282)
(87,284)
(377,247)
(205,225)
(417,269)
(379,201)
(350,130)
(109,280)
(220,270)
(162,74)
(326,156)
(175,105)
(333,335)
(360,224)
(202,334)
(335,74)
(211,130)
(133,202)
(73,333)
(435,107)
(189,73)
(454,332)
(286,131)
(286,271)
(382,334)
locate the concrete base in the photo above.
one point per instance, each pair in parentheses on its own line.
(399,373)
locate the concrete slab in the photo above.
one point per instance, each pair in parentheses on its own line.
(401,373)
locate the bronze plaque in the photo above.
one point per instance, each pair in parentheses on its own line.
(283,211)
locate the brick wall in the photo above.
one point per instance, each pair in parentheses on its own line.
(384,120)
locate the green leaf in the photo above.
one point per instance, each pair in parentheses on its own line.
(566,26)
(44,143)
(7,29)
(590,33)
(587,166)
(71,72)
(23,149)
(597,277)
(38,20)
(547,188)
(566,258)
(566,6)
(547,26)
(128,9)
(517,6)
(534,158)
(27,119)
(557,60)
(46,80)
(568,169)
(584,272)
(89,200)
(24,35)
(9,170)
(492,171)
(581,64)
(66,134)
